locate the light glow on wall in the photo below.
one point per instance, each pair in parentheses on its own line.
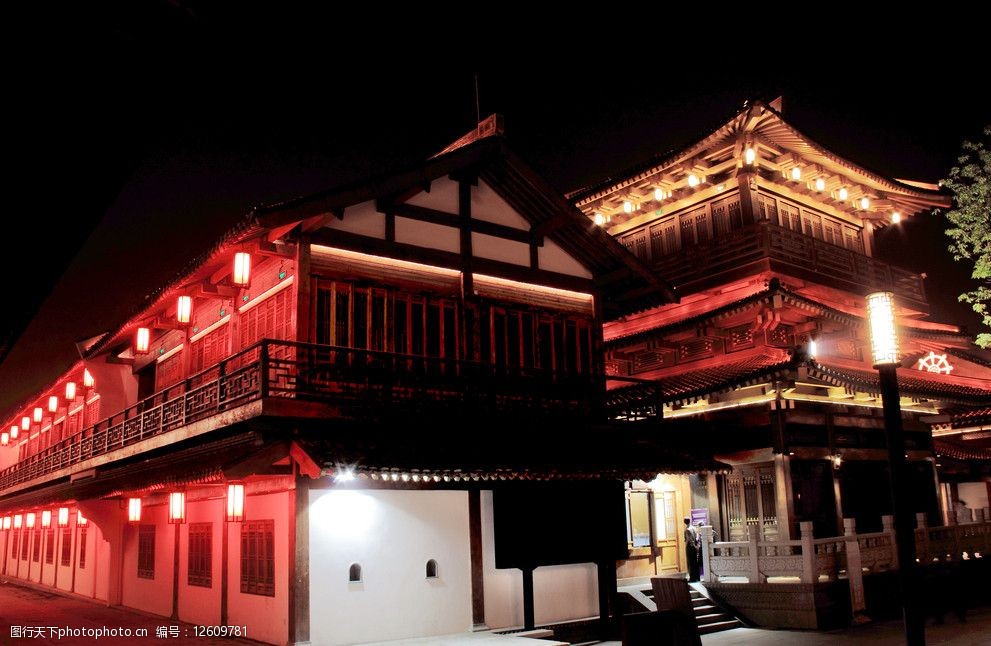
(865,203)
(177,507)
(235,502)
(844,194)
(134,510)
(796,173)
(693,180)
(599,219)
(627,206)
(881,322)
(820,184)
(345,514)
(63,516)
(896,217)
(242,269)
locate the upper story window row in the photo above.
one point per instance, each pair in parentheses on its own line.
(718,219)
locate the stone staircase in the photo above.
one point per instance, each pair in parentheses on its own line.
(710,617)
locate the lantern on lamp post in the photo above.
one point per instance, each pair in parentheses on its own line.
(235,502)
(177,507)
(884,355)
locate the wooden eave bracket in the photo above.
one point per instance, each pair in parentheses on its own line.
(307,466)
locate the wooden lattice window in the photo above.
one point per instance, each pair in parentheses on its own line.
(50,545)
(15,535)
(146,552)
(169,371)
(66,557)
(36,548)
(200,565)
(82,548)
(210,349)
(258,557)
(270,319)
(25,541)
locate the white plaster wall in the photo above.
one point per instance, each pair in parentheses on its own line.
(197,604)
(267,618)
(560,592)
(488,205)
(553,258)
(975,494)
(362,219)
(427,234)
(391,534)
(493,248)
(443,196)
(149,595)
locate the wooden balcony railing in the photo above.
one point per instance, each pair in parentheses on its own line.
(360,384)
(791,248)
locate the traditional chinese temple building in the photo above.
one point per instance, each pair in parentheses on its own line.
(386,395)
(768,238)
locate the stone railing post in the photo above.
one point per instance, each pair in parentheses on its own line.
(888,527)
(808,552)
(922,538)
(708,575)
(854,570)
(753,535)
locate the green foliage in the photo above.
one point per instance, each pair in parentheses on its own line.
(970,217)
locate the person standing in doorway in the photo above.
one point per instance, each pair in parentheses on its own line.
(692,550)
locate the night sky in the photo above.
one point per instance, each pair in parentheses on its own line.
(140,131)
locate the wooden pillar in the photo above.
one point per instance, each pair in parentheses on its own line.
(175,572)
(808,553)
(607,594)
(477,568)
(748,197)
(224,569)
(74,552)
(6,546)
(299,561)
(304,301)
(784,503)
(528,614)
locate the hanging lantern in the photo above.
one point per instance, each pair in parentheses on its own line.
(141,340)
(14,430)
(6,522)
(25,423)
(87,378)
(46,518)
(693,180)
(29,520)
(63,516)
(235,503)
(80,519)
(844,193)
(38,413)
(865,203)
(184,309)
(242,269)
(70,391)
(134,510)
(177,507)
(820,184)
(52,404)
(796,173)
(17,521)
(4,438)
(749,156)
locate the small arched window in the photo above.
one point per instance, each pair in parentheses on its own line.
(431,569)
(354,573)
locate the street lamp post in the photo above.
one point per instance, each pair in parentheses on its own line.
(884,352)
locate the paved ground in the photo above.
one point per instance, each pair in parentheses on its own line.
(22,608)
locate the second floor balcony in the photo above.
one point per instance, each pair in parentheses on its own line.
(291,380)
(767,246)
